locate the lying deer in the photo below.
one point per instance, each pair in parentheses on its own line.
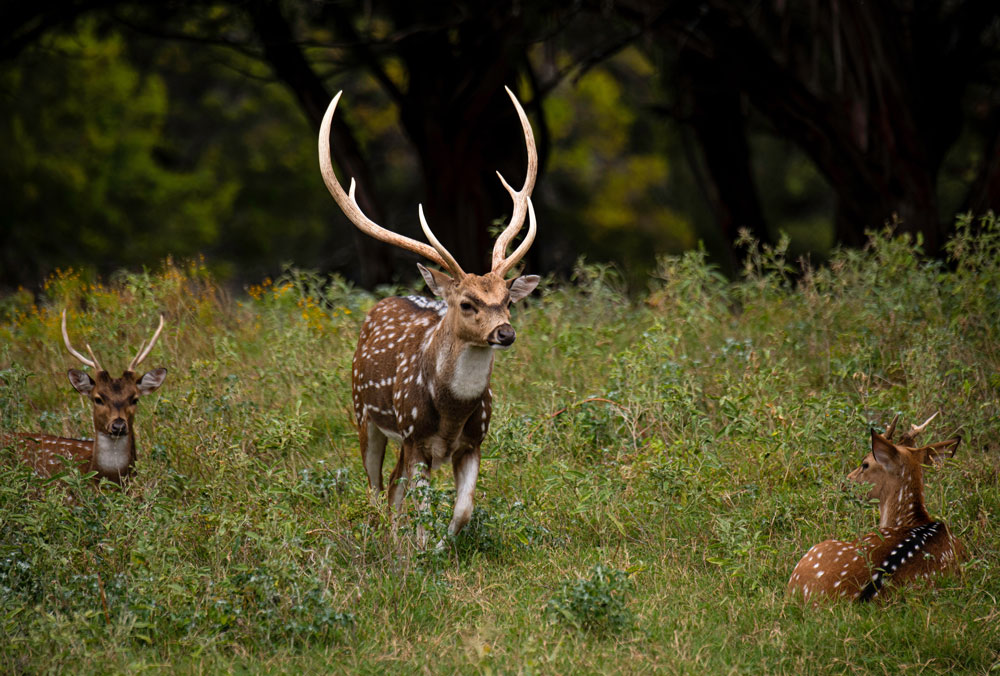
(111,453)
(421,371)
(907,546)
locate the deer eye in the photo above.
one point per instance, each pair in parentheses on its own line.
(466,307)
(864,465)
(134,401)
(99,400)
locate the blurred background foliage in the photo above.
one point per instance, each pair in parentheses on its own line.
(136,131)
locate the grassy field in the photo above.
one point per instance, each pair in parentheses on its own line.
(655,468)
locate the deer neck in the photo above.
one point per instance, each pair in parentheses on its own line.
(459,367)
(113,455)
(901,504)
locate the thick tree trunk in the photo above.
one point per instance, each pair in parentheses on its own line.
(285,56)
(720,127)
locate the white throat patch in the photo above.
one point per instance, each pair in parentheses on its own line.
(471,375)
(111,454)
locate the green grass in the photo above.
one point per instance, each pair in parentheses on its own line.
(655,469)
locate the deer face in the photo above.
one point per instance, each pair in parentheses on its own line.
(888,466)
(115,399)
(882,467)
(479,305)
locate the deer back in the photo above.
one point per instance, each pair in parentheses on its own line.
(860,569)
(48,454)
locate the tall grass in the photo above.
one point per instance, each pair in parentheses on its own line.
(661,461)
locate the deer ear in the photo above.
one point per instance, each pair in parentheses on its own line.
(520,287)
(935,454)
(150,382)
(885,453)
(81,381)
(437,281)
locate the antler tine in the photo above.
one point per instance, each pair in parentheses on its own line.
(144,349)
(501,264)
(92,362)
(94,357)
(529,239)
(448,258)
(891,429)
(349,205)
(915,430)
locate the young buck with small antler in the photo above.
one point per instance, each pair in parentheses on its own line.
(111,453)
(907,546)
(421,371)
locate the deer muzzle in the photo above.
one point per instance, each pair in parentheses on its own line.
(119,427)
(502,336)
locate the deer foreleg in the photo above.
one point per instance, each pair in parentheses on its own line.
(420,473)
(406,472)
(411,468)
(373,442)
(466,473)
(398,481)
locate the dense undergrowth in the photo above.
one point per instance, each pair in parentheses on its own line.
(655,468)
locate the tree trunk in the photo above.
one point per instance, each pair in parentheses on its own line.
(720,128)
(459,118)
(865,139)
(285,56)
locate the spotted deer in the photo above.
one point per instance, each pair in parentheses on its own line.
(112,452)
(907,545)
(422,367)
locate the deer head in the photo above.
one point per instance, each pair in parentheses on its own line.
(895,472)
(114,399)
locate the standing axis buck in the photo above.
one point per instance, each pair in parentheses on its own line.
(111,453)
(421,372)
(907,545)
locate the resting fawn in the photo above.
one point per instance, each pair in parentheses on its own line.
(111,453)
(906,547)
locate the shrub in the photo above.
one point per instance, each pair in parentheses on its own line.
(598,603)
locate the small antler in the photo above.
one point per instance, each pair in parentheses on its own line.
(910,437)
(522,202)
(348,203)
(143,353)
(891,429)
(92,362)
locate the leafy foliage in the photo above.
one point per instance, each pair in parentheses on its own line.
(595,603)
(84,151)
(693,442)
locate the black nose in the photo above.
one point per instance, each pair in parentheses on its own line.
(119,427)
(504,335)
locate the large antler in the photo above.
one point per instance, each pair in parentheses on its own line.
(349,205)
(92,362)
(522,203)
(143,353)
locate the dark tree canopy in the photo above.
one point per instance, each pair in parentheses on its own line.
(876,94)
(145,129)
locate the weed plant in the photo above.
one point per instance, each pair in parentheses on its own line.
(655,468)
(598,603)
